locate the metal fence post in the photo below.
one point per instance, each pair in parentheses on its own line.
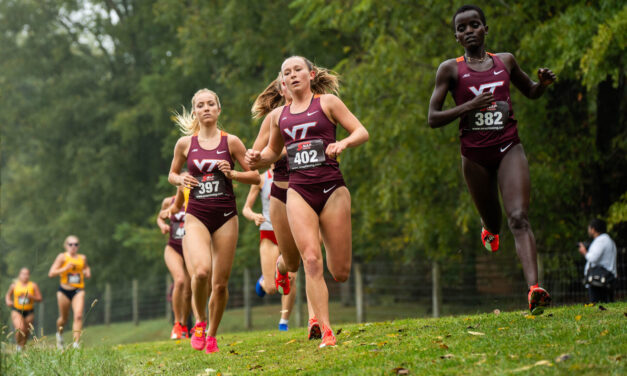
(248,315)
(135,292)
(168,303)
(40,321)
(436,294)
(107,304)
(359,294)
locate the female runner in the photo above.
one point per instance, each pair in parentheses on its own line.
(211,224)
(173,255)
(72,268)
(268,246)
(21,297)
(493,158)
(317,197)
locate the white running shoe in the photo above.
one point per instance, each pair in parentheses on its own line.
(59,341)
(76,345)
(18,348)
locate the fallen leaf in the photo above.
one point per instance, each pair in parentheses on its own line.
(549,315)
(616,358)
(543,363)
(625,313)
(562,358)
(400,371)
(447,356)
(497,311)
(233,352)
(530,317)
(381,344)
(261,351)
(538,363)
(178,342)
(346,342)
(503,328)
(235,343)
(256,366)
(290,341)
(443,346)
(605,332)
(601,308)
(581,342)
(210,370)
(588,305)
(513,356)
(392,335)
(338,332)
(578,317)
(476,333)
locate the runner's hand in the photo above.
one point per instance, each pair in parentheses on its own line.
(546,76)
(164,228)
(335,149)
(225,167)
(259,219)
(187,180)
(252,157)
(482,100)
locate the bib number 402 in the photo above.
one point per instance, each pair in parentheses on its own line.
(306,156)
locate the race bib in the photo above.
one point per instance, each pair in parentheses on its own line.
(22,300)
(179,231)
(306,154)
(74,278)
(492,118)
(211,185)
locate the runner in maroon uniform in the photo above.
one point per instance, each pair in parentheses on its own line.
(173,255)
(492,156)
(317,198)
(211,223)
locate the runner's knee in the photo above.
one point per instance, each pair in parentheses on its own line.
(219,288)
(341,274)
(312,263)
(518,221)
(201,273)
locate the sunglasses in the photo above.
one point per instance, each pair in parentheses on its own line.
(72,244)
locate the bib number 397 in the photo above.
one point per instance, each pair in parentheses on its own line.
(492,118)
(306,154)
(210,185)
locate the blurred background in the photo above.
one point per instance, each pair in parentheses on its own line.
(87,91)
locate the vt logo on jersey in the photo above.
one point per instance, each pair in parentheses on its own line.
(209,163)
(483,87)
(302,128)
(179,216)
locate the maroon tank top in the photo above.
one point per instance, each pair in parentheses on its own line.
(281,170)
(177,227)
(492,125)
(307,135)
(215,187)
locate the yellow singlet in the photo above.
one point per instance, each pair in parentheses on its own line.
(21,301)
(74,276)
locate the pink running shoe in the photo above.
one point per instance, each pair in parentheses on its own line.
(198,336)
(212,345)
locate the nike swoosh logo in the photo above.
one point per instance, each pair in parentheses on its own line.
(466,75)
(498,72)
(507,147)
(194,150)
(285,118)
(229,213)
(309,114)
(327,190)
(220,151)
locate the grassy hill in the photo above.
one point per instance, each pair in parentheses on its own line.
(587,340)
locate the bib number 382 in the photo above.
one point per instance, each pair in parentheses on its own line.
(210,185)
(306,154)
(492,118)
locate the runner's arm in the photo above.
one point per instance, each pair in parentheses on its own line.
(175,177)
(443,83)
(271,153)
(247,211)
(7,297)
(164,213)
(339,113)
(36,293)
(238,152)
(86,268)
(56,268)
(523,82)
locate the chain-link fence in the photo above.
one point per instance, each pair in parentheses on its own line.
(377,290)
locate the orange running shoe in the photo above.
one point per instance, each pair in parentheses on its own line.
(313,329)
(490,241)
(282,281)
(185,331)
(328,339)
(538,299)
(177,331)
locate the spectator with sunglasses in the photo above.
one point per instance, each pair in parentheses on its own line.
(72,268)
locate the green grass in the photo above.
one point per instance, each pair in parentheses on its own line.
(593,341)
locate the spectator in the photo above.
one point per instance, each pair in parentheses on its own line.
(600,261)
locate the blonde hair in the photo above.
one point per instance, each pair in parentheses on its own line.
(186,120)
(269,99)
(325,81)
(68,238)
